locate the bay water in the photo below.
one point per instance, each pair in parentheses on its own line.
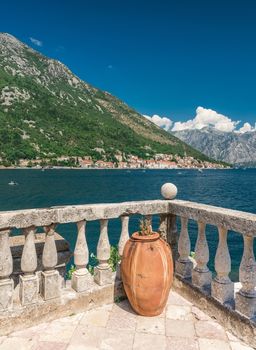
(234,189)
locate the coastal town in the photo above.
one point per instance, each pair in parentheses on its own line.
(159,161)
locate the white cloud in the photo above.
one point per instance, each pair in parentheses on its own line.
(36,41)
(207,117)
(162,122)
(247,127)
(204,118)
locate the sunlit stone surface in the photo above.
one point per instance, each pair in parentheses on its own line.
(181,326)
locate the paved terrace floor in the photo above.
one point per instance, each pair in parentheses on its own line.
(182,326)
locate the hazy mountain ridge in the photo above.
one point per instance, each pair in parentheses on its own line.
(47,111)
(232,147)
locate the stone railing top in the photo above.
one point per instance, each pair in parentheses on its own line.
(75,213)
(238,221)
(234,220)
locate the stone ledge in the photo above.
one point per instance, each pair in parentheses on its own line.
(233,321)
(69,303)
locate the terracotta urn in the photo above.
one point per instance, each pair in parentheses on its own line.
(147,273)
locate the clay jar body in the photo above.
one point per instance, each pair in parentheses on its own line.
(147,273)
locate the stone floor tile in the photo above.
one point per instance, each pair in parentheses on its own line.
(107,307)
(31,331)
(178,343)
(123,308)
(232,337)
(176,299)
(239,346)
(154,325)
(46,345)
(116,340)
(2,338)
(86,338)
(122,323)
(178,328)
(14,343)
(74,318)
(149,341)
(210,329)
(199,314)
(178,312)
(212,344)
(58,332)
(98,317)
(181,326)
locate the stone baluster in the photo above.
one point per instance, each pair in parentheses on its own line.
(246,297)
(81,278)
(163,226)
(124,237)
(103,272)
(168,227)
(50,277)
(29,283)
(6,267)
(201,276)
(168,231)
(222,286)
(184,265)
(124,234)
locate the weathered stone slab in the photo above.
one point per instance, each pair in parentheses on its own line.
(50,285)
(81,280)
(246,305)
(184,269)
(103,276)
(201,279)
(29,289)
(6,294)
(223,292)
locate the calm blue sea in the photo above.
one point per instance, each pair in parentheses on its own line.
(234,189)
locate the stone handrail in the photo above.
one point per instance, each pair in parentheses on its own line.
(234,220)
(75,213)
(47,285)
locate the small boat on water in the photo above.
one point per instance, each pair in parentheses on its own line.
(12,183)
(200,170)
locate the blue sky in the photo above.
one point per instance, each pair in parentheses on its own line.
(161,57)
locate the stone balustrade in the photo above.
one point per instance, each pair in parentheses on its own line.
(220,287)
(43,288)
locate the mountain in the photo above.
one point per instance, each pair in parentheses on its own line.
(47,112)
(231,147)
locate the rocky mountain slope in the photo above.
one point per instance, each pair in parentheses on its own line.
(46,111)
(231,147)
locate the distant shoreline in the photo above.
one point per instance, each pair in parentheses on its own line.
(126,169)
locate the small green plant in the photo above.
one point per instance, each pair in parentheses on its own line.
(118,299)
(94,262)
(114,258)
(70,272)
(113,261)
(145,227)
(192,254)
